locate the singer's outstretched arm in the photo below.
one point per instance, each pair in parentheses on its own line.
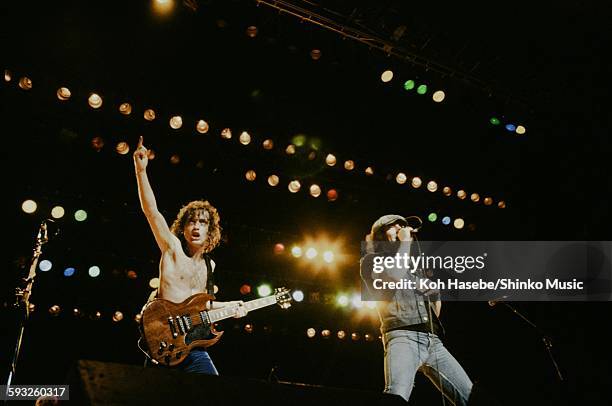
(166,241)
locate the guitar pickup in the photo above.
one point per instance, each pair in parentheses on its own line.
(181,325)
(187,321)
(172,327)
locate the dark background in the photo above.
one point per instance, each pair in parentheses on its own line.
(544,67)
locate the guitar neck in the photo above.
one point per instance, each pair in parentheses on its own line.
(229,311)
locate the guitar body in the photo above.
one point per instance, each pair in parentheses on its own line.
(171,329)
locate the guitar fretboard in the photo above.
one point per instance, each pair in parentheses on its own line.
(230,311)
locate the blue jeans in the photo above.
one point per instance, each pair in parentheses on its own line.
(407,351)
(198,361)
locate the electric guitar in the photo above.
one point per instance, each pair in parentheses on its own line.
(171,330)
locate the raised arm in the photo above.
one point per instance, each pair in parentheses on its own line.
(163,236)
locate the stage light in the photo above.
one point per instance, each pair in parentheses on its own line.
(97,143)
(409,84)
(422,89)
(432,186)
(57,212)
(175,159)
(315,190)
(125,109)
(117,316)
(250,175)
(330,160)
(341,335)
(446,220)
(461,194)
(298,295)
(296,251)
(416,182)
(138,317)
(63,93)
(349,165)
(29,206)
(475,197)
(245,289)
(342,300)
(251,31)
(97,315)
(163,7)
(458,223)
(501,204)
(355,336)
(45,265)
(273,180)
(401,178)
(80,215)
(244,138)
(279,248)
(356,301)
(248,328)
(268,144)
(315,54)
(76,312)
(202,127)
(510,127)
(494,121)
(131,274)
(25,83)
(264,290)
(149,114)
(95,101)
(290,150)
(7,75)
(520,130)
(488,201)
(438,96)
(432,217)
(325,333)
(122,148)
(312,155)
(447,191)
(386,76)
(69,271)
(369,171)
(226,133)
(176,122)
(311,253)
(299,140)
(294,186)
(332,195)
(54,310)
(328,256)
(369,337)
(154,283)
(311,332)
(371,305)
(94,271)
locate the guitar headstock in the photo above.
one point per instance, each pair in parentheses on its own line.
(283,297)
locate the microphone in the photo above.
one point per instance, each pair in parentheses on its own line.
(495,301)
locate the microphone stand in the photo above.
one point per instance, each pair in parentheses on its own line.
(22,298)
(545,339)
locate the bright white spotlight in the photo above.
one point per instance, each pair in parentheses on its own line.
(264,290)
(298,295)
(311,253)
(328,256)
(356,301)
(296,251)
(29,206)
(94,271)
(45,265)
(57,212)
(342,300)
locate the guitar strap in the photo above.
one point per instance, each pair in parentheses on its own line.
(210,282)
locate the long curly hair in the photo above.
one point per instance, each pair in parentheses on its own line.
(192,210)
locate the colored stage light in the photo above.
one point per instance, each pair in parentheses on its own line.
(29,206)
(264,290)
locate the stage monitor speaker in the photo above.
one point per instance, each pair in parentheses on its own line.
(94,383)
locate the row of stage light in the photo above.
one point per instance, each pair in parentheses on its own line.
(176,122)
(248,327)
